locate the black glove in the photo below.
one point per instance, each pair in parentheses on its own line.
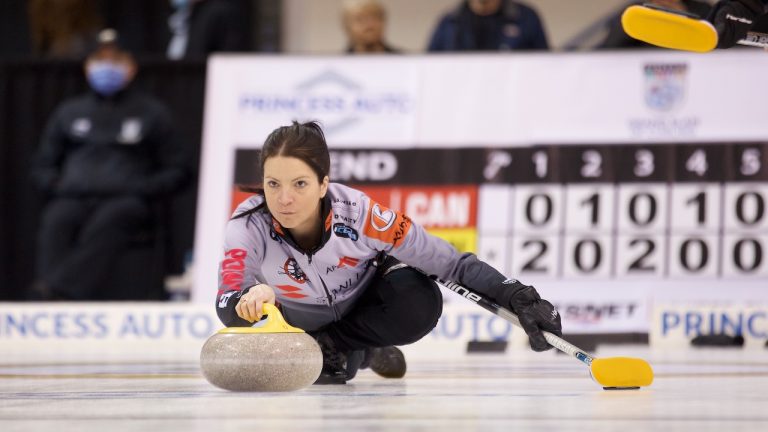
(534,313)
(733,19)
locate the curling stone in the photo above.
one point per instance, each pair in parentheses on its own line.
(272,357)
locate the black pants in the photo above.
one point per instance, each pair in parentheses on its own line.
(80,239)
(398,308)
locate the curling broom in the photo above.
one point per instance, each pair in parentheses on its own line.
(612,373)
(677,30)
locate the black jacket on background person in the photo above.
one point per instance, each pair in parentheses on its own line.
(96,146)
(216,26)
(101,161)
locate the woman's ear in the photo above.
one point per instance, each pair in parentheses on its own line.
(324,186)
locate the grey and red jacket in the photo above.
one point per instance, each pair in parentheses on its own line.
(320,286)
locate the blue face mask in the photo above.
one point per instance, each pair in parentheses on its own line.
(107,78)
(179,4)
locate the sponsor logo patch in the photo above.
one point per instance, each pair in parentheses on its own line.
(345,231)
(382,218)
(386,225)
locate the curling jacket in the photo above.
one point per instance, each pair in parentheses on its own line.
(96,146)
(320,286)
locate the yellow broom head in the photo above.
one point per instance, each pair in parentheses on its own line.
(668,29)
(621,372)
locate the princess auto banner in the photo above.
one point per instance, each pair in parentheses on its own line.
(610,181)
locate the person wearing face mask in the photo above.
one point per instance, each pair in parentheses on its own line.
(104,156)
(201,27)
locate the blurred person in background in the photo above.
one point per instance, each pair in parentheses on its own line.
(64,28)
(489,25)
(617,38)
(201,27)
(103,157)
(364,22)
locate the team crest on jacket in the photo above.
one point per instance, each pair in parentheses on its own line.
(385,224)
(291,268)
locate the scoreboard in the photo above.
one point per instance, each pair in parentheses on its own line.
(623,211)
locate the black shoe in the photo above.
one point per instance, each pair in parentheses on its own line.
(338,367)
(334,362)
(388,362)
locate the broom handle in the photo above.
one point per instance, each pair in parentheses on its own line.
(755,39)
(484,302)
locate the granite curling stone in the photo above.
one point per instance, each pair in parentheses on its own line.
(270,358)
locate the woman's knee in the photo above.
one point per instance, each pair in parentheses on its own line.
(419,303)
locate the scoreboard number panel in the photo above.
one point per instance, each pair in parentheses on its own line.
(745,255)
(641,256)
(535,256)
(746,206)
(538,209)
(696,206)
(694,255)
(642,207)
(588,256)
(590,208)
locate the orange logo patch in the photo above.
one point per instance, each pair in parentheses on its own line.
(385,224)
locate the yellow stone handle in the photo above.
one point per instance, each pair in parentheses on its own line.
(275,324)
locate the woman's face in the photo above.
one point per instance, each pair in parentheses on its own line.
(293,193)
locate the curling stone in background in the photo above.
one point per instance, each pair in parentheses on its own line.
(269,358)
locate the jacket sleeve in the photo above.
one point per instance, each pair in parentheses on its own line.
(243,251)
(440,40)
(170,170)
(50,155)
(395,234)
(538,35)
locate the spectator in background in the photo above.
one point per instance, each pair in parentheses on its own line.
(489,25)
(64,28)
(364,22)
(103,157)
(617,38)
(200,27)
